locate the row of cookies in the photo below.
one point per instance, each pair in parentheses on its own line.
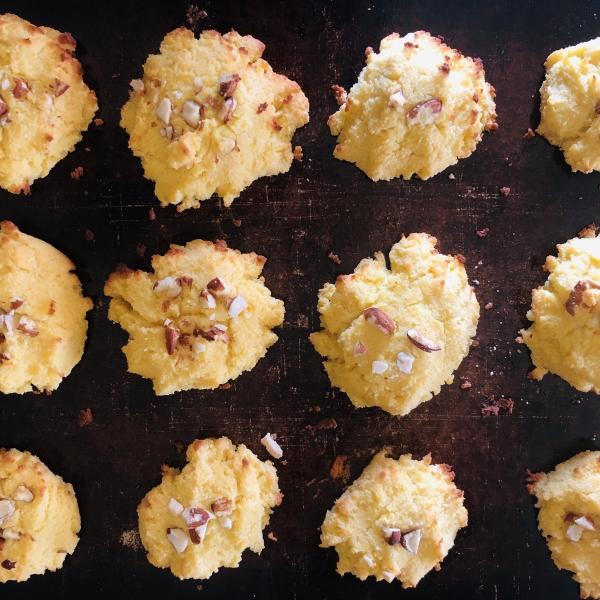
(398,520)
(210,116)
(391,337)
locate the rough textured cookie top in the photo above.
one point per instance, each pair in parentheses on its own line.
(44,104)
(570,104)
(566,324)
(393,337)
(398,520)
(418,107)
(569,517)
(211,116)
(39,517)
(203,518)
(42,313)
(199,320)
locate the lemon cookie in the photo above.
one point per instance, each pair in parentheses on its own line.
(44,104)
(199,320)
(570,104)
(566,324)
(42,313)
(569,503)
(417,108)
(398,520)
(39,517)
(393,337)
(211,116)
(202,519)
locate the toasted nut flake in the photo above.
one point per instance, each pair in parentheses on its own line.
(397,100)
(465,385)
(218,287)
(421,342)
(335,258)
(11,534)
(195,536)
(16,302)
(574,532)
(276,125)
(198,84)
(175,508)
(178,539)
(389,577)
(198,347)
(225,521)
(207,300)
(405,362)
(379,367)
(570,518)
(273,448)
(411,540)
(262,107)
(60,88)
(238,304)
(392,535)
(488,306)
(425,113)
(20,88)
(220,327)
(7,509)
(504,191)
(576,296)
(195,517)
(483,232)
(227,109)
(163,111)
(586,523)
(359,349)
(380,319)
(138,86)
(27,327)
(368,560)
(9,565)
(189,281)
(529,134)
(191,113)
(227,83)
(221,507)
(3,107)
(8,320)
(171,285)
(214,334)
(23,493)
(171,338)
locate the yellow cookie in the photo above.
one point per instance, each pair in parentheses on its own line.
(42,313)
(566,324)
(393,338)
(398,520)
(202,519)
(203,317)
(418,107)
(211,116)
(39,517)
(44,104)
(571,104)
(569,503)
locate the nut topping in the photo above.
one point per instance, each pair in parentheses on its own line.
(7,510)
(191,113)
(218,287)
(23,493)
(178,539)
(411,540)
(213,334)
(397,100)
(368,560)
(195,517)
(8,320)
(421,342)
(586,523)
(172,285)
(27,327)
(138,86)
(3,107)
(392,535)
(576,296)
(570,518)
(207,300)
(175,508)
(379,367)
(9,565)
(20,88)
(171,338)
(273,448)
(574,532)
(380,319)
(225,522)
(359,349)
(163,111)
(221,507)
(389,577)
(226,111)
(227,83)
(11,534)
(60,88)
(198,347)
(198,84)
(405,362)
(425,113)
(238,304)
(16,302)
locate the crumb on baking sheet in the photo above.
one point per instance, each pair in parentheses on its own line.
(298,153)
(77,173)
(131,539)
(85,417)
(483,232)
(529,134)
(504,191)
(141,250)
(340,468)
(89,235)
(152,214)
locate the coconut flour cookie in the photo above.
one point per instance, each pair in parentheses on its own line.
(418,107)
(39,517)
(570,104)
(398,520)
(44,104)
(42,313)
(566,323)
(569,503)
(210,116)
(202,519)
(199,320)
(392,338)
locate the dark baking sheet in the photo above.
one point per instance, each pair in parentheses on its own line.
(295,220)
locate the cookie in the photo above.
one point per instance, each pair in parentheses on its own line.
(44,104)
(418,107)
(566,324)
(210,116)
(199,320)
(398,520)
(202,519)
(569,503)
(42,313)
(39,517)
(392,338)
(570,104)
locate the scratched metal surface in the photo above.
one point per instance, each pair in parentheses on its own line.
(295,220)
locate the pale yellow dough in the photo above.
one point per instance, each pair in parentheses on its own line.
(570,104)
(425,291)
(192,162)
(143,312)
(561,343)
(405,494)
(40,124)
(573,487)
(46,523)
(37,274)
(375,125)
(216,470)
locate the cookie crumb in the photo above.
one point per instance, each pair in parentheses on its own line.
(225,386)
(178,446)
(141,250)
(89,235)
(465,385)
(237,222)
(340,469)
(193,14)
(335,258)
(98,122)
(298,153)
(483,232)
(589,231)
(529,134)
(152,214)
(77,173)
(504,191)
(85,417)
(271,536)
(488,306)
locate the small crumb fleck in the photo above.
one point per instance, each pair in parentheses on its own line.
(298,153)
(198,587)
(141,250)
(340,469)
(451,176)
(504,191)
(131,539)
(152,215)
(89,235)
(85,417)
(483,232)
(271,536)
(465,385)
(225,386)
(529,134)
(98,122)
(116,75)
(237,222)
(283,462)
(178,446)
(194,14)
(488,306)
(474,343)
(335,258)
(77,173)
(589,231)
